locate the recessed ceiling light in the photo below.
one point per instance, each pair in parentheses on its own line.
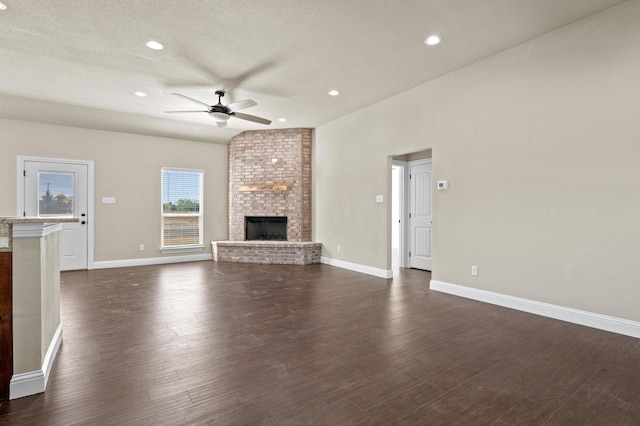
(334,92)
(3,6)
(282,120)
(141,94)
(432,40)
(154,45)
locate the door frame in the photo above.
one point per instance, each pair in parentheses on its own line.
(20,194)
(404,211)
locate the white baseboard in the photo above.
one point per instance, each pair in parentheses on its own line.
(33,382)
(52,352)
(25,384)
(576,316)
(151,261)
(369,270)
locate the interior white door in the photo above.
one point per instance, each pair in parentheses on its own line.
(58,189)
(420,215)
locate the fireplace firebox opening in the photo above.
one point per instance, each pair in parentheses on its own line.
(265,228)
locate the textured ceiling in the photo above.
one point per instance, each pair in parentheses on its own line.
(78,62)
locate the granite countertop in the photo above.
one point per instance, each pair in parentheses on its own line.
(19,219)
(7,223)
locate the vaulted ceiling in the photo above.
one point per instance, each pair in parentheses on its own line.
(79,62)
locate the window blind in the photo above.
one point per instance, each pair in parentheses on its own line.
(181,207)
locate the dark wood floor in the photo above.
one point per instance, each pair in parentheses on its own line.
(209,343)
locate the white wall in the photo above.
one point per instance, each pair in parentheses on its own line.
(540,147)
(127,166)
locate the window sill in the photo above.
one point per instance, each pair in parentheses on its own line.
(181,249)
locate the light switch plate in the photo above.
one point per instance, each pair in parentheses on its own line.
(108,200)
(379,198)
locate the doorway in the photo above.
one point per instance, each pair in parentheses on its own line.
(60,188)
(398,196)
(411,211)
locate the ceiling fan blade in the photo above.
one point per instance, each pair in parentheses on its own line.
(185,111)
(192,100)
(250,118)
(246,103)
(221,123)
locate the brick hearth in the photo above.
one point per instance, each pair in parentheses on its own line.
(274,252)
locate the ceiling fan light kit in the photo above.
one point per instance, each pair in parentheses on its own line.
(219,116)
(221,113)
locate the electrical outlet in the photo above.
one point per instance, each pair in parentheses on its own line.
(338,248)
(474,270)
(141,247)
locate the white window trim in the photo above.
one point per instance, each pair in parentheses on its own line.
(189,248)
(182,249)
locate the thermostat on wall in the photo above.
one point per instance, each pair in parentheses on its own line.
(442,185)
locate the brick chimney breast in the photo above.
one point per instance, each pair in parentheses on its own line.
(270,175)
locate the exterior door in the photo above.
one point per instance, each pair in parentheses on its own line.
(59,189)
(420,215)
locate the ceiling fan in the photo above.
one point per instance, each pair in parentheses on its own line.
(221,113)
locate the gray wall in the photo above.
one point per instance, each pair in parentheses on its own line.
(127,166)
(540,147)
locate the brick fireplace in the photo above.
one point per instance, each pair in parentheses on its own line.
(270,177)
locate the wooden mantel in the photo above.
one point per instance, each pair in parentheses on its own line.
(265,187)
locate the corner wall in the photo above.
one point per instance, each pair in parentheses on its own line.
(540,147)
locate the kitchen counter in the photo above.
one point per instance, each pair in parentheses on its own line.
(9,226)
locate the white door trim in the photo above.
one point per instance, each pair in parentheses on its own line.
(20,165)
(404,212)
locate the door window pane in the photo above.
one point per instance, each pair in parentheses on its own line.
(55,191)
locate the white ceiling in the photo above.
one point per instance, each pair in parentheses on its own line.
(81,60)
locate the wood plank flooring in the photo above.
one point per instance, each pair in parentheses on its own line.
(223,343)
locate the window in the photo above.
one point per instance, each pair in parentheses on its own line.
(181,209)
(56,194)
